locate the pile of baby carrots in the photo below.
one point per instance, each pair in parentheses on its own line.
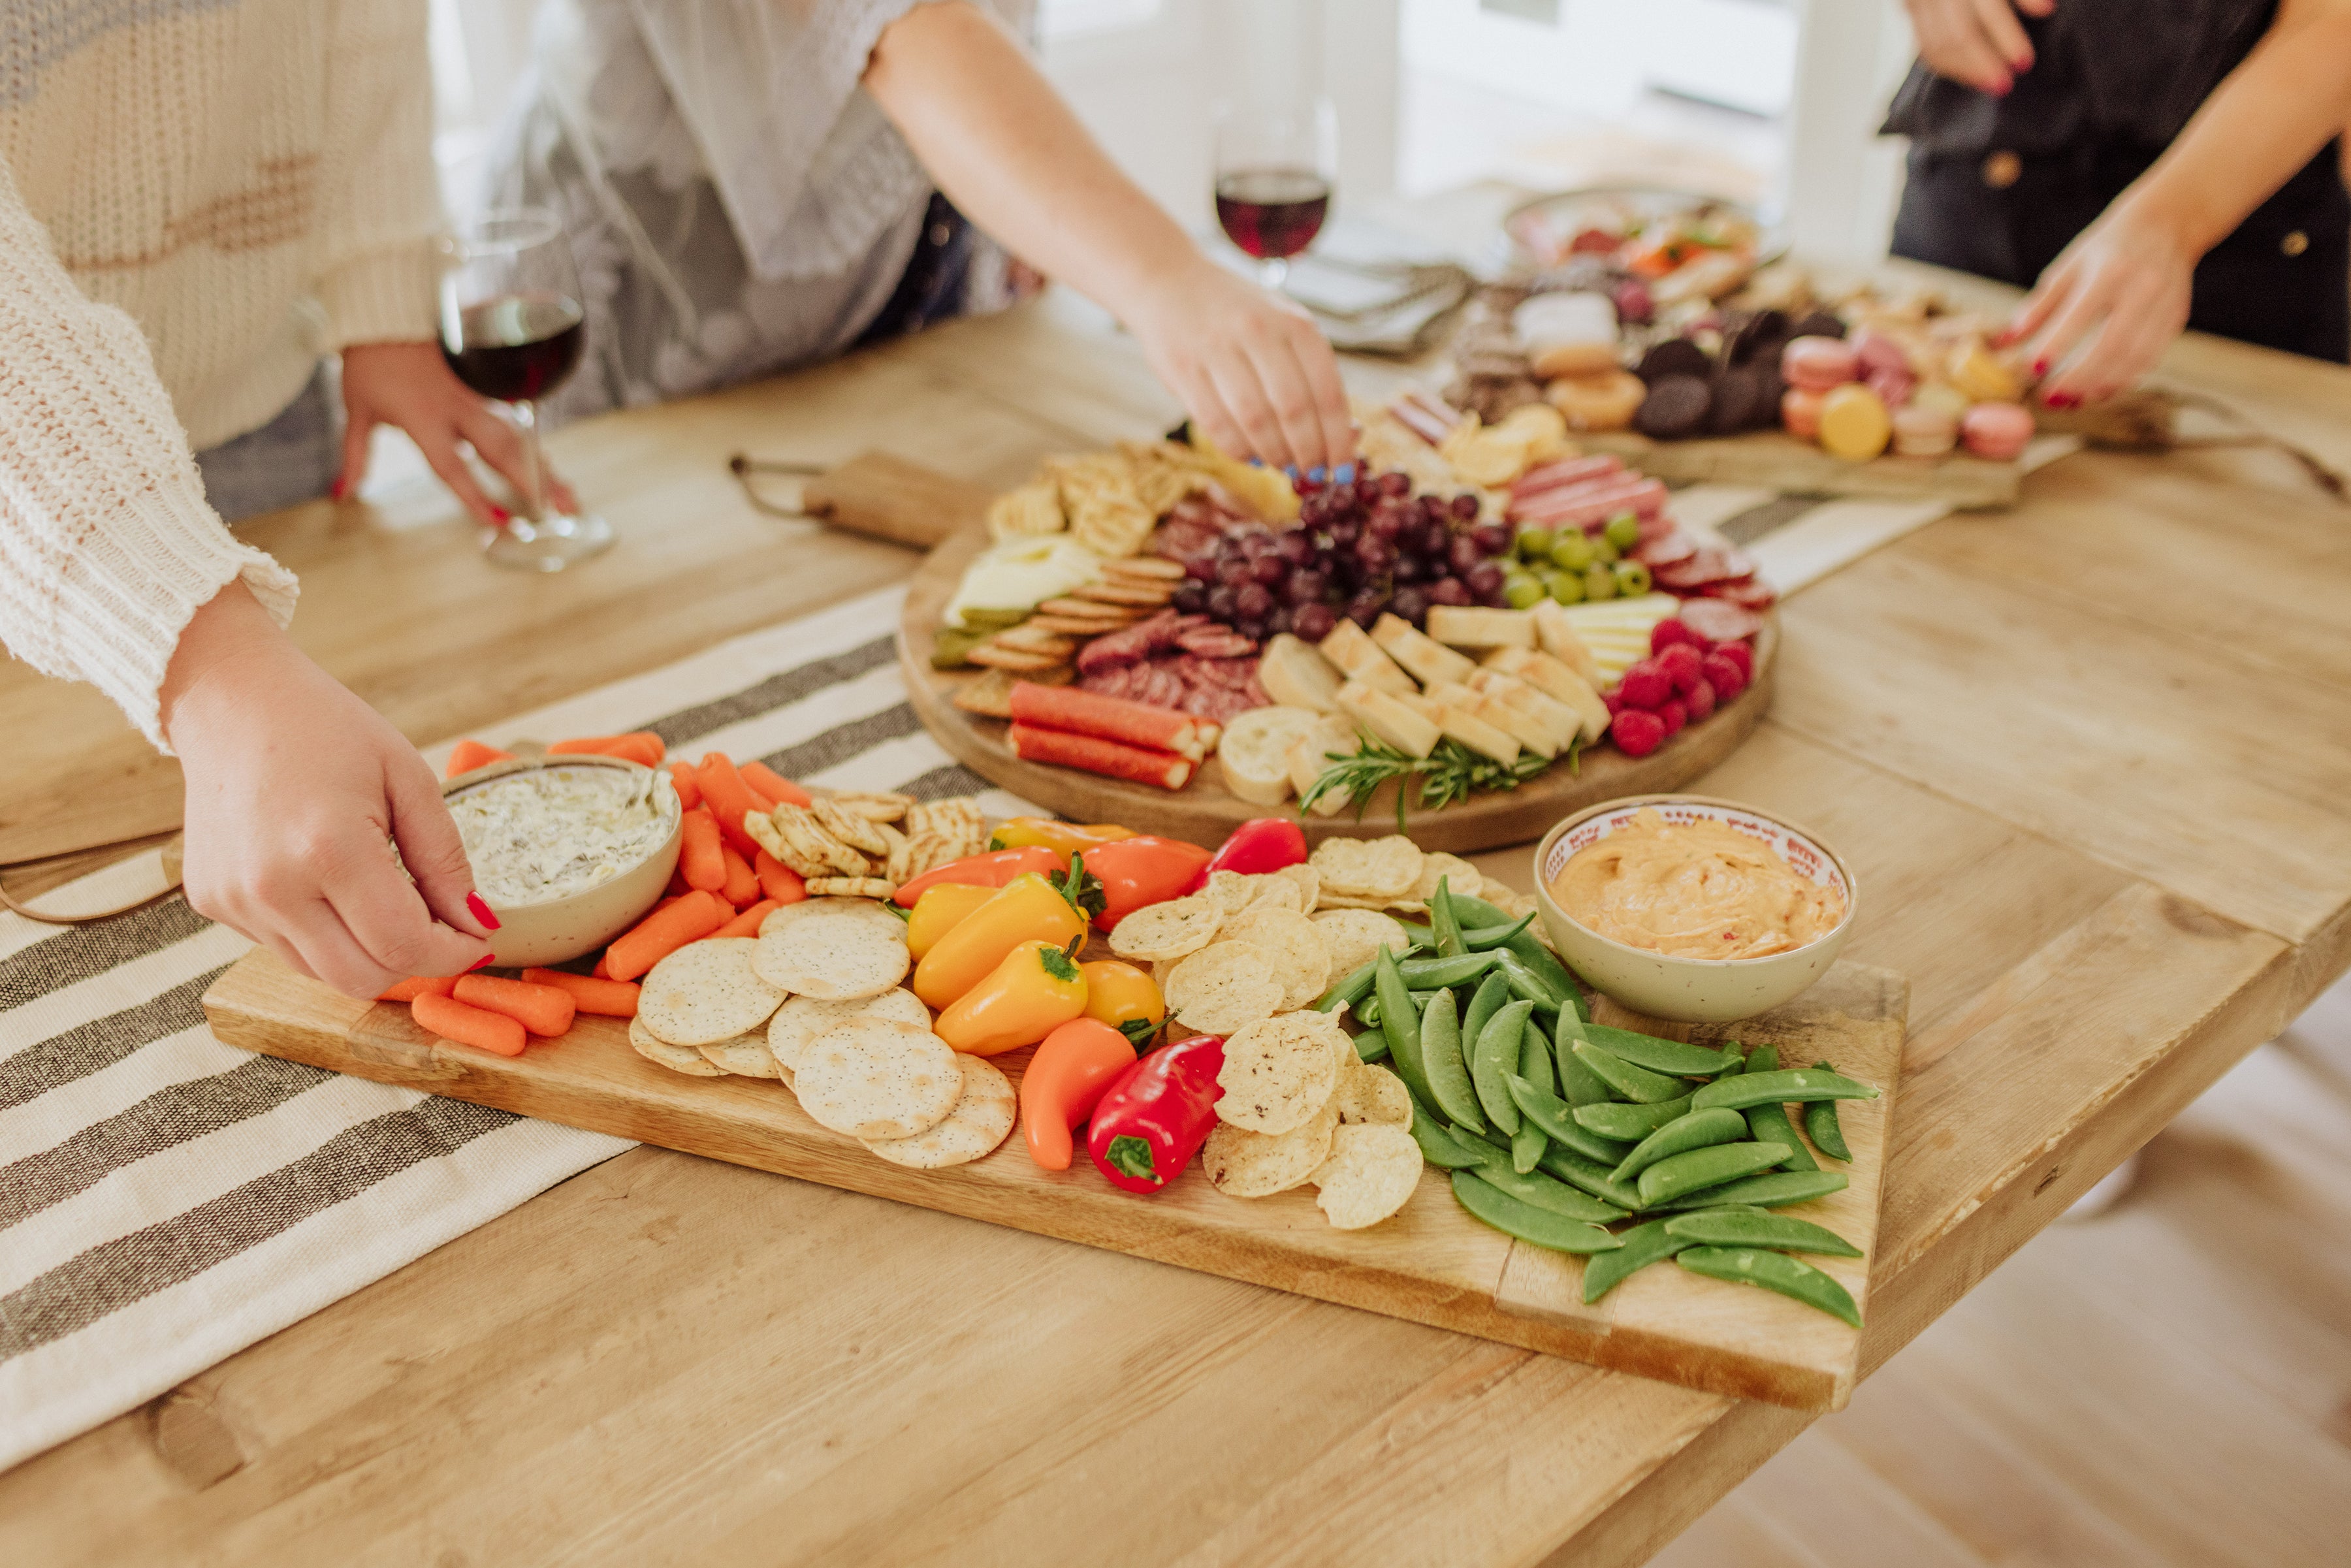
(724,885)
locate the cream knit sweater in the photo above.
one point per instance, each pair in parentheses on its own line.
(198,198)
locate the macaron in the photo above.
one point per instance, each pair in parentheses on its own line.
(1677,406)
(1878,353)
(1998,431)
(1816,365)
(1855,424)
(1892,386)
(1591,403)
(1799,413)
(1975,371)
(1924,429)
(1942,395)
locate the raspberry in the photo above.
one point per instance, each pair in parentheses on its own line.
(1637,733)
(1615,702)
(1667,632)
(1675,713)
(1723,674)
(1644,686)
(1701,701)
(1738,653)
(1680,663)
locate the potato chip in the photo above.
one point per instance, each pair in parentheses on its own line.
(1372,1171)
(1169,930)
(1303,962)
(707,991)
(1245,1164)
(1309,881)
(1354,937)
(677,1058)
(746,1056)
(802,1018)
(877,1078)
(1370,1093)
(1277,892)
(1278,1072)
(1368,868)
(834,956)
(983,1115)
(1231,890)
(1223,986)
(863,909)
(1460,875)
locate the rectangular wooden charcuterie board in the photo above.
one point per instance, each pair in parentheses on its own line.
(1431,1264)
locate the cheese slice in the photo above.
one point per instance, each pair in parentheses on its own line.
(1556,681)
(1355,657)
(1559,723)
(1391,718)
(1477,735)
(1429,660)
(1557,636)
(1474,626)
(1523,728)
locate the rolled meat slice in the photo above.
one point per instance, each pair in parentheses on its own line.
(1562,473)
(1583,507)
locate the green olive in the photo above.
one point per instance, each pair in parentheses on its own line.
(1571,550)
(1567,587)
(1534,544)
(1599,582)
(1522,589)
(1624,530)
(1632,579)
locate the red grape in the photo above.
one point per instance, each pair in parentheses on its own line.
(1464,506)
(1412,604)
(1384,524)
(1233,573)
(1306,587)
(1222,602)
(1295,546)
(1410,568)
(1365,607)
(1254,545)
(1483,579)
(1269,569)
(1462,553)
(1376,554)
(1191,599)
(1252,603)
(1448,590)
(1313,621)
(1394,484)
(1492,538)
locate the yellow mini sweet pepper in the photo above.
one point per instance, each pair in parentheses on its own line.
(1026,909)
(1061,838)
(939,910)
(1034,991)
(1124,997)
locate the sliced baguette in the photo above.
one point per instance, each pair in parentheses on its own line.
(1392,717)
(1355,657)
(1429,660)
(1256,752)
(1295,675)
(1475,626)
(1310,754)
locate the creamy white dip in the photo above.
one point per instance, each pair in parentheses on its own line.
(551,832)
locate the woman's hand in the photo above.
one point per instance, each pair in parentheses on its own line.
(297,793)
(1252,369)
(408,385)
(1978,42)
(2109,305)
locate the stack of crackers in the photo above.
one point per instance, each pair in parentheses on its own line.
(866,843)
(1041,647)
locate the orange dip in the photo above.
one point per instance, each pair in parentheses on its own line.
(1694,890)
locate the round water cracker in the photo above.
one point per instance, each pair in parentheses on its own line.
(1354,937)
(802,1018)
(1368,868)
(1368,1093)
(1278,1073)
(1303,962)
(1370,1172)
(810,908)
(706,991)
(1224,986)
(677,1058)
(1231,891)
(745,1056)
(834,957)
(1243,1164)
(1169,930)
(877,1078)
(1458,874)
(982,1118)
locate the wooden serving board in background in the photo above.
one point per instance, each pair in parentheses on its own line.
(1432,1263)
(1204,810)
(1779,461)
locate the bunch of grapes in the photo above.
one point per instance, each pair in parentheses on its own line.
(1359,546)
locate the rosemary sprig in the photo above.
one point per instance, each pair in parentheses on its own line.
(1446,774)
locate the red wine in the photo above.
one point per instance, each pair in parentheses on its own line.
(1271,213)
(517,347)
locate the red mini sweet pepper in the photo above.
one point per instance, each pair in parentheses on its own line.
(995,868)
(1145,869)
(1147,1126)
(1259,845)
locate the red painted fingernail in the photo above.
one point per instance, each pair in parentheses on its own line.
(502,516)
(2063,399)
(2041,367)
(487,960)
(481,911)
(340,491)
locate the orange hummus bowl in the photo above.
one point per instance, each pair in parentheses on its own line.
(1687,989)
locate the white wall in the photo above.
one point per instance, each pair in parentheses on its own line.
(1844,179)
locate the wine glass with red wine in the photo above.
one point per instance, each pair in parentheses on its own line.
(511,329)
(1275,165)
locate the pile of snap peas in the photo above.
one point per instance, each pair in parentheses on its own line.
(1553,1126)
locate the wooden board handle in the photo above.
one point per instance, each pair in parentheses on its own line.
(887,498)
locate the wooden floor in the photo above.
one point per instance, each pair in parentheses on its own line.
(2169,1383)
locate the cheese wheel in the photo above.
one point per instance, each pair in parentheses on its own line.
(1998,431)
(1853,423)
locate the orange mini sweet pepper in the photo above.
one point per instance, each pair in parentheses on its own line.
(1032,992)
(1073,1067)
(939,910)
(1061,838)
(1026,909)
(1125,998)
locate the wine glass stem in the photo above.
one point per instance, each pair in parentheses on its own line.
(1273,271)
(534,501)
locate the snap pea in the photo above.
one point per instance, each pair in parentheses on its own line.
(1349,991)
(1579,1084)
(1791,1084)
(1495,1056)
(1529,951)
(1440,1063)
(1698,1130)
(1400,1027)
(1770,1124)
(1642,1245)
(1776,1190)
(1528,1223)
(1419,936)
(1427,974)
(1678,1175)
(1556,1119)
(1590,1174)
(1821,1122)
(1631,1124)
(1477,938)
(1442,923)
(1763,1059)
(1542,1191)
(1753,1227)
(1791,1277)
(1371,1045)
(1483,1004)
(1671,1056)
(1438,1146)
(1637,1085)
(1369,1013)
(1528,1143)
(1524,983)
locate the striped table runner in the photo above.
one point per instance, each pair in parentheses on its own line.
(166,1200)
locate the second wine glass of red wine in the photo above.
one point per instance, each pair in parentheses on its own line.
(1275,166)
(512,329)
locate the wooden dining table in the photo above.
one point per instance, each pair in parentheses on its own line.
(2088,756)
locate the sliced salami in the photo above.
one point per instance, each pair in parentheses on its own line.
(1752,593)
(1664,551)
(1711,563)
(1719,620)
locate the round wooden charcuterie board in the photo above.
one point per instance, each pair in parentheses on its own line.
(1204,812)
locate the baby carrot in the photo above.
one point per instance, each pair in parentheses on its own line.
(408,991)
(748,923)
(663,932)
(742,884)
(542,1009)
(701,856)
(639,745)
(453,1020)
(728,797)
(600,973)
(689,787)
(777,788)
(675,887)
(468,755)
(776,880)
(605,999)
